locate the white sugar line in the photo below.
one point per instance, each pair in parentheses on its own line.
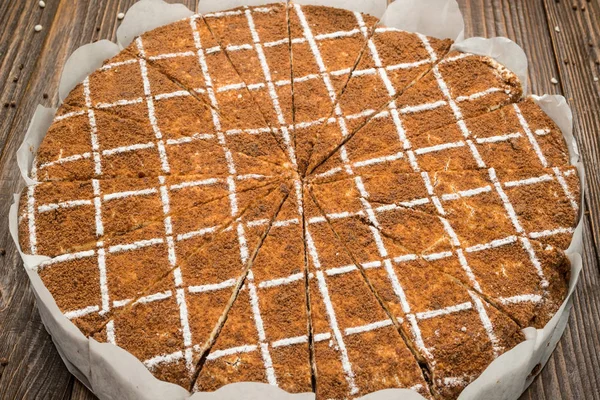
(498,138)
(378,160)
(430,192)
(487,324)
(154,297)
(457,115)
(271,87)
(340,270)
(368,328)
(189,139)
(65,204)
(178,93)
(150,105)
(262,336)
(177,276)
(444,311)
(172,55)
(550,232)
(331,316)
(281,281)
(510,211)
(460,56)
(565,187)
(542,132)
(530,136)
(131,193)
(290,341)
(465,193)
(523,298)
(99,225)
(193,234)
(529,181)
(483,93)
(439,147)
(106,67)
(93,127)
(69,115)
(423,107)
(154,362)
(202,182)
(212,287)
(437,256)
(125,149)
(254,131)
(81,312)
(231,351)
(454,381)
(493,244)
(135,245)
(67,257)
(119,103)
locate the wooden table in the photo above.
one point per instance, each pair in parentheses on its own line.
(561,39)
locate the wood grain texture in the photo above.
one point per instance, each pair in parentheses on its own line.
(30,367)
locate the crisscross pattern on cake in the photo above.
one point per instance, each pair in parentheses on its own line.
(170,172)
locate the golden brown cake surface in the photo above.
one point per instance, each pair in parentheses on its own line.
(299,196)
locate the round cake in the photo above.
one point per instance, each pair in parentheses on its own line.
(301,196)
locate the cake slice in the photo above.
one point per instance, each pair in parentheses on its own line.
(99,276)
(357,346)
(460,86)
(481,205)
(100,210)
(256,42)
(326,44)
(213,80)
(266,337)
(455,332)
(506,268)
(173,325)
(515,136)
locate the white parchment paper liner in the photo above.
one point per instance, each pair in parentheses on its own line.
(112,373)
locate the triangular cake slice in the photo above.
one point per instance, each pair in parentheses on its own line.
(172,326)
(455,332)
(393,61)
(266,338)
(480,205)
(460,86)
(256,42)
(210,80)
(528,277)
(88,283)
(515,136)
(357,347)
(100,210)
(165,125)
(320,70)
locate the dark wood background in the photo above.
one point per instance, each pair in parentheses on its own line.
(30,67)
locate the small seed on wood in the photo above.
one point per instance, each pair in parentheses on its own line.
(575,6)
(557,29)
(21,66)
(6,105)
(45,95)
(13,104)
(42,4)
(120,16)
(16,79)
(2,252)
(554,81)
(38,28)
(595,79)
